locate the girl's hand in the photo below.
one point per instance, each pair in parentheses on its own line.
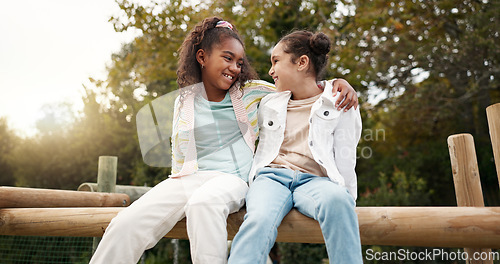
(347,92)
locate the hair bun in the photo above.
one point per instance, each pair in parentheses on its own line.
(320,43)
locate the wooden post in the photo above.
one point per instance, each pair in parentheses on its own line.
(106,181)
(466,179)
(465,171)
(493,114)
(16,197)
(106,174)
(454,227)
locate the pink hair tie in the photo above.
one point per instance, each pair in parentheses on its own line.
(225,24)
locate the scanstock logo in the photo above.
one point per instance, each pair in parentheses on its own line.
(154,129)
(154,126)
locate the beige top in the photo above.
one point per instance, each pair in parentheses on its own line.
(294,152)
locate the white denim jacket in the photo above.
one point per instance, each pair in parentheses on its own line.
(333,136)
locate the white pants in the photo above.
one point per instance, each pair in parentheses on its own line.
(204,198)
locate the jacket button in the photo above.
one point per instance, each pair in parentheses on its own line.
(310,120)
(326,113)
(270,123)
(310,143)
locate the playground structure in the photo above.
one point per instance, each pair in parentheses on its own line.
(470,225)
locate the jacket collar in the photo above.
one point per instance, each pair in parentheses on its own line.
(239,110)
(242,117)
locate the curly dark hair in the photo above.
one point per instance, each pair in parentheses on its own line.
(204,36)
(314,45)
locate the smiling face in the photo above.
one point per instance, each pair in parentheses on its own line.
(221,67)
(283,70)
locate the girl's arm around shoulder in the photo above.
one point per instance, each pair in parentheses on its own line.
(259,85)
(254,91)
(348,97)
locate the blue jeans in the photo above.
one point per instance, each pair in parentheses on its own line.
(274,193)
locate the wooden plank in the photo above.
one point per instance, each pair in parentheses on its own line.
(493,114)
(402,226)
(17,197)
(467,181)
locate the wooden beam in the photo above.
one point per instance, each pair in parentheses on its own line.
(402,226)
(16,197)
(493,114)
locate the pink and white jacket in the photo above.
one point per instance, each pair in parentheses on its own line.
(245,104)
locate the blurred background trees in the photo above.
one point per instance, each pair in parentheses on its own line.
(424,70)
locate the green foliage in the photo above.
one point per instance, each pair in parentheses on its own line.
(55,250)
(438,62)
(295,253)
(64,157)
(165,252)
(8,140)
(399,190)
(149,176)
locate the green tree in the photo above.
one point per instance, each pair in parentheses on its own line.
(438,62)
(65,152)
(8,141)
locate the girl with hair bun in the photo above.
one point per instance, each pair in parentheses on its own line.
(305,158)
(213,140)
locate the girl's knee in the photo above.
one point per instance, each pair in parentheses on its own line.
(202,199)
(257,215)
(340,197)
(210,207)
(123,221)
(257,221)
